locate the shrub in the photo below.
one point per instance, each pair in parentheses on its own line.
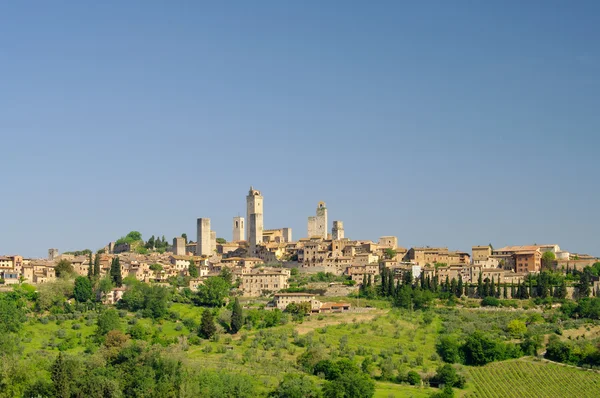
(413,378)
(490,302)
(76,326)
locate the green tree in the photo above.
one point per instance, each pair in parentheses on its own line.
(12,314)
(221,240)
(296,386)
(237,318)
(446,374)
(516,328)
(585,281)
(480,292)
(107,321)
(413,378)
(83,289)
(64,268)
(561,291)
(60,377)
(547,260)
(192,269)
(459,287)
(390,253)
(213,292)
(97,265)
(207,324)
(184,236)
(115,272)
(448,349)
(90,272)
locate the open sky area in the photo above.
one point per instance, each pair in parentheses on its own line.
(450,123)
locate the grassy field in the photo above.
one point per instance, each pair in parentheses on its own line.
(396,340)
(528,378)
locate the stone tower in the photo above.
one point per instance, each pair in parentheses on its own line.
(317,225)
(52,254)
(213,242)
(238,229)
(337,232)
(179,246)
(254,213)
(203,245)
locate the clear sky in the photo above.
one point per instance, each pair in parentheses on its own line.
(449,123)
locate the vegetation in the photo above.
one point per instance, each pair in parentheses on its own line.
(421,337)
(64,268)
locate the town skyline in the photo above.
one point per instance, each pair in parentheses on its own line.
(298,233)
(439,125)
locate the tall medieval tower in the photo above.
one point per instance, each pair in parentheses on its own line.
(203,244)
(254,219)
(337,232)
(239,229)
(317,225)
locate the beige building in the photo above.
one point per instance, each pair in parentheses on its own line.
(263,281)
(317,225)
(282,300)
(481,253)
(390,242)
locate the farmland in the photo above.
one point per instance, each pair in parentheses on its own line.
(529,378)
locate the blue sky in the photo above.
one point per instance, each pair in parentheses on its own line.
(443,123)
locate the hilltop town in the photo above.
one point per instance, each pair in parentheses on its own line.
(263,260)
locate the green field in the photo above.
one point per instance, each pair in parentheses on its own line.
(529,378)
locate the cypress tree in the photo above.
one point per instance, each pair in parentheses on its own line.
(60,377)
(383,282)
(90,272)
(369,281)
(459,287)
(97,265)
(207,324)
(363,286)
(435,284)
(505,292)
(480,285)
(422,280)
(390,287)
(192,269)
(237,318)
(492,287)
(447,284)
(453,285)
(115,272)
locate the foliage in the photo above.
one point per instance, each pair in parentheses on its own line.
(12,314)
(107,321)
(490,302)
(479,349)
(151,300)
(237,318)
(516,328)
(207,325)
(131,237)
(413,378)
(221,240)
(83,289)
(447,375)
(346,380)
(213,292)
(192,269)
(390,253)
(296,386)
(115,272)
(64,268)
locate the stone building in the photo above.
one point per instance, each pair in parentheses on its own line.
(254,209)
(337,232)
(388,242)
(179,246)
(52,254)
(203,245)
(281,235)
(317,225)
(282,300)
(238,229)
(263,281)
